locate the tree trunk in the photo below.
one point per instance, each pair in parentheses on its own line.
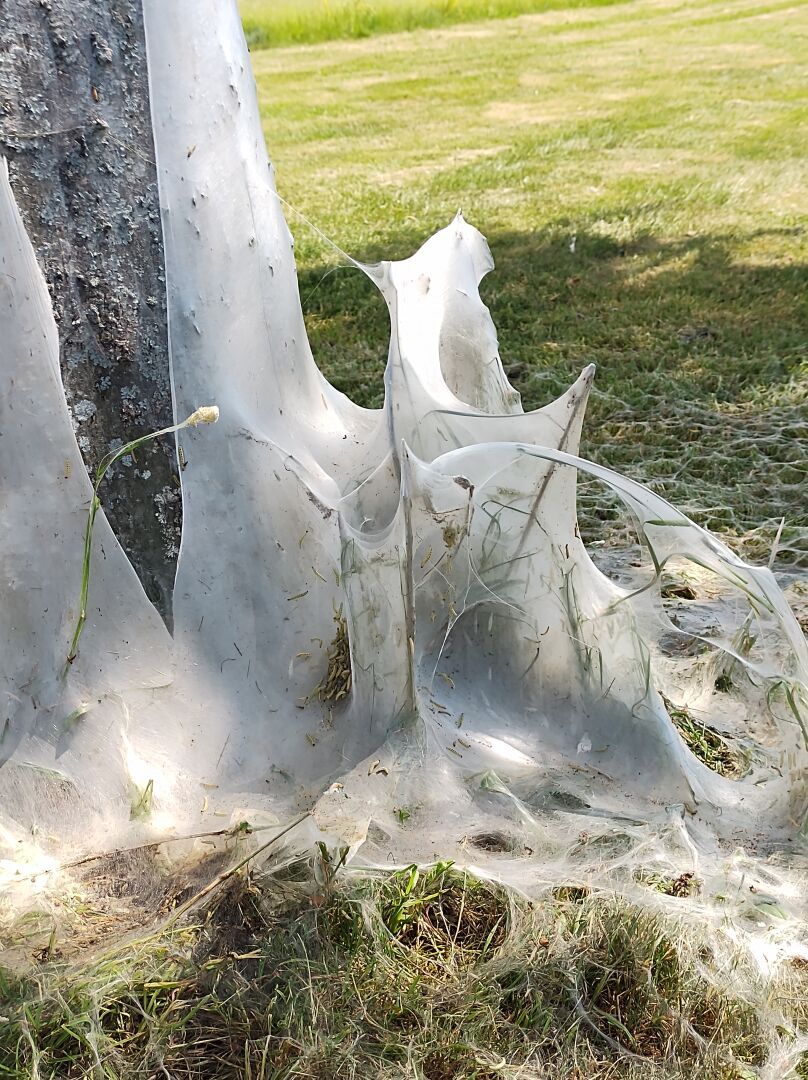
(76,126)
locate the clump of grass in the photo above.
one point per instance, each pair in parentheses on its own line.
(441,915)
(64,1022)
(640,990)
(574,894)
(680,885)
(268,22)
(428,973)
(707,743)
(142,801)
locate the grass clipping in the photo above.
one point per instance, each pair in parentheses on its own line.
(337,682)
(316,972)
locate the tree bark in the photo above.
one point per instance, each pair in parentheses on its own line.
(75,124)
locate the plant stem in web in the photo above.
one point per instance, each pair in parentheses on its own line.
(207,414)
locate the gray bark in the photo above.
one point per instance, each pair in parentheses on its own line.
(76,127)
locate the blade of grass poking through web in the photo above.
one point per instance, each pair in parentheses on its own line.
(206,414)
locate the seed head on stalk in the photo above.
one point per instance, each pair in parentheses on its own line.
(205,414)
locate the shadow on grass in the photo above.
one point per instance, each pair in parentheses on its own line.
(702,383)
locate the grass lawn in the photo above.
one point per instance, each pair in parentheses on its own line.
(406,976)
(639,173)
(282,22)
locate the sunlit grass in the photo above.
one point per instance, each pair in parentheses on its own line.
(285,22)
(433,974)
(638,172)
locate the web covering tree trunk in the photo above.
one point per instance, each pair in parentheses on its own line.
(75,125)
(387,618)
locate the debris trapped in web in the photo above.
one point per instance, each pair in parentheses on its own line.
(385,619)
